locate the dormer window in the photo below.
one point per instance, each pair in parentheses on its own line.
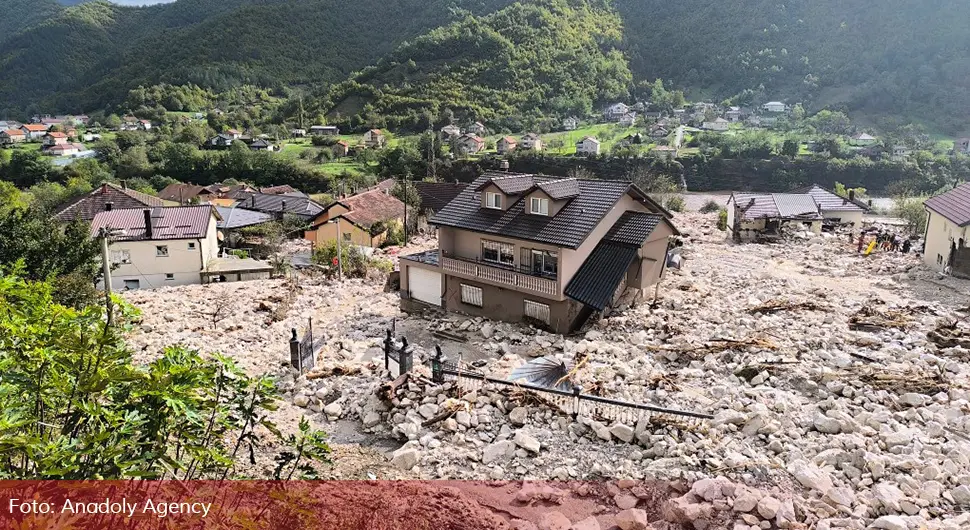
(493,200)
(539,206)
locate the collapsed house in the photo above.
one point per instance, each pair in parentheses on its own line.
(765,216)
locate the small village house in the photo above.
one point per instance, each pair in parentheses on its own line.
(901,153)
(374,138)
(664,151)
(531,141)
(301,207)
(588,146)
(34,131)
(324,130)
(505,145)
(616,112)
(628,119)
(469,144)
(233,133)
(658,131)
(477,128)
(54,138)
(282,189)
(363,219)
(298,133)
(434,196)
(570,123)
(64,149)
(733,114)
(545,250)
(835,208)
(774,106)
(862,140)
(450,131)
(260,144)
(106,197)
(183,194)
(756,215)
(340,149)
(719,124)
(12,136)
(962,145)
(948,231)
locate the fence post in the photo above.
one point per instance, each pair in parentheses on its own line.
(405,355)
(437,373)
(310,325)
(388,343)
(577,390)
(295,351)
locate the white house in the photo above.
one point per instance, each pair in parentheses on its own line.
(628,119)
(324,130)
(450,131)
(570,123)
(374,138)
(948,226)
(161,246)
(719,124)
(531,141)
(751,214)
(477,128)
(901,152)
(774,106)
(616,111)
(862,139)
(835,208)
(588,146)
(733,114)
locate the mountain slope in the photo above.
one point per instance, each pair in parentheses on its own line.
(18,15)
(516,64)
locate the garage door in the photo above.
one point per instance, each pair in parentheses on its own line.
(425,285)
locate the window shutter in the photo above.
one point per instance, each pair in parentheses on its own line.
(471,295)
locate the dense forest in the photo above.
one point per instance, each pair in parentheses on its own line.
(889,62)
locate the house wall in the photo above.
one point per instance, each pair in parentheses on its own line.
(150,270)
(328,232)
(571,260)
(210,244)
(492,188)
(941,234)
(845,217)
(554,205)
(505,304)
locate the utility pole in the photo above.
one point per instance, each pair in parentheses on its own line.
(405,197)
(340,257)
(106,265)
(431,168)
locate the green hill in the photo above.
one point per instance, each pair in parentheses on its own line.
(18,15)
(514,65)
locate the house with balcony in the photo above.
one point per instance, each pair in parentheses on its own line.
(546,250)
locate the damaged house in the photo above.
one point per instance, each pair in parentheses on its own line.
(763,215)
(835,208)
(550,251)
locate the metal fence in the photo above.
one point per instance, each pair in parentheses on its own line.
(302,351)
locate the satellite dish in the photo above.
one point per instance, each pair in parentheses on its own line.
(548,372)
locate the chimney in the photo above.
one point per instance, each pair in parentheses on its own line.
(851,195)
(282,209)
(504,165)
(148,223)
(252,199)
(124,184)
(108,206)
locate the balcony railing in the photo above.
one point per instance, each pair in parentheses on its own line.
(502,276)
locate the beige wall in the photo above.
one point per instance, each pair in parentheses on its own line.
(941,233)
(554,205)
(492,188)
(328,232)
(573,259)
(150,269)
(210,245)
(845,217)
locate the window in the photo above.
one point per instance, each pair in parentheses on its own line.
(471,295)
(493,200)
(545,263)
(347,236)
(540,206)
(495,252)
(169,276)
(191,246)
(161,251)
(131,285)
(120,257)
(537,311)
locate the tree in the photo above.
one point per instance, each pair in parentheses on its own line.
(77,407)
(44,247)
(911,209)
(790,148)
(27,167)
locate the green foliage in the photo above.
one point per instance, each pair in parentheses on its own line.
(76,407)
(75,290)
(26,168)
(675,203)
(911,209)
(722,216)
(353,263)
(843,191)
(710,206)
(44,247)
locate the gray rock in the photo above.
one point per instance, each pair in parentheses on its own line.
(623,432)
(301,400)
(745,502)
(518,416)
(498,452)
(333,410)
(527,442)
(405,458)
(811,476)
(625,501)
(371,419)
(890,522)
(961,494)
(589,523)
(768,507)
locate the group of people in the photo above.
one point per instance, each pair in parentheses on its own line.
(885,241)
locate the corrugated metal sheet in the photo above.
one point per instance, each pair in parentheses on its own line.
(763,205)
(829,201)
(262,202)
(601,273)
(954,204)
(174,222)
(796,205)
(235,217)
(89,205)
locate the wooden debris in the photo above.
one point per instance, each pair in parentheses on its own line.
(904,382)
(775,306)
(333,370)
(864,358)
(716,346)
(388,390)
(949,335)
(447,335)
(873,320)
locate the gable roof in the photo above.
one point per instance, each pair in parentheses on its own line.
(863,136)
(173,222)
(278,190)
(954,204)
(14,132)
(34,127)
(590,138)
(436,195)
(559,189)
(55,135)
(236,217)
(262,202)
(568,228)
(507,139)
(633,228)
(777,205)
(509,184)
(830,201)
(87,206)
(179,192)
(599,276)
(372,207)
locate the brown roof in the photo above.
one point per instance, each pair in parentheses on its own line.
(371,207)
(173,222)
(87,206)
(180,192)
(278,190)
(57,135)
(954,204)
(33,127)
(508,140)
(15,132)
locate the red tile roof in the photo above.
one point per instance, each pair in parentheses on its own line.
(371,207)
(180,192)
(173,222)
(35,127)
(57,135)
(15,132)
(954,204)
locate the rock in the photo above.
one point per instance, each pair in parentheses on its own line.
(827,425)
(301,400)
(371,419)
(707,489)
(554,521)
(520,524)
(526,442)
(487,330)
(428,410)
(888,495)
(518,416)
(405,458)
(623,432)
(841,496)
(498,451)
(333,410)
(768,506)
(912,399)
(745,502)
(589,523)
(683,510)
(811,476)
(889,522)
(463,418)
(961,494)
(625,501)
(632,519)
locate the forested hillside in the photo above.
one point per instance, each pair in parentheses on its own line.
(518,64)
(904,59)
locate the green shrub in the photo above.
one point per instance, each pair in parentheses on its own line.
(75,290)
(710,206)
(722,220)
(675,203)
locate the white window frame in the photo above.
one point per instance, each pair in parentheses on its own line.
(161,251)
(499,247)
(121,257)
(471,295)
(191,245)
(537,311)
(496,204)
(543,206)
(169,276)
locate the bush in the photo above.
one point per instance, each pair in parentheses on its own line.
(75,290)
(355,264)
(710,206)
(675,203)
(911,210)
(722,220)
